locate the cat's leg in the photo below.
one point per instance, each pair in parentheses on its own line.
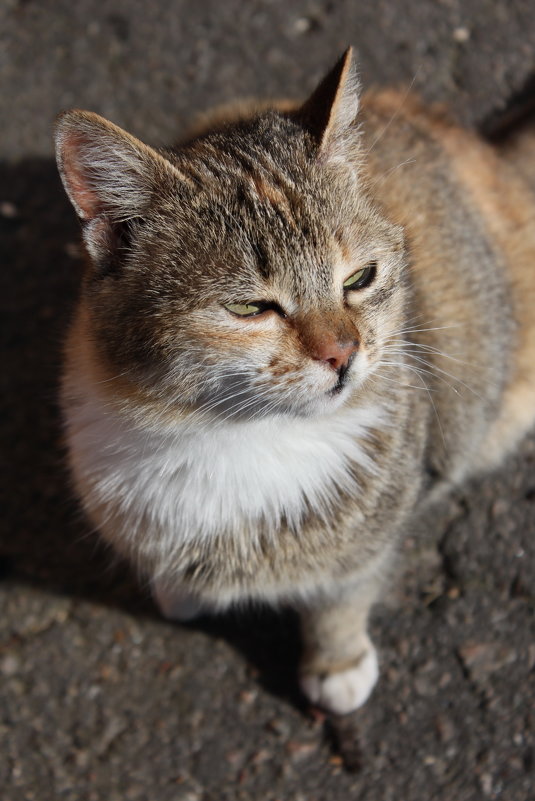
(176,603)
(339,667)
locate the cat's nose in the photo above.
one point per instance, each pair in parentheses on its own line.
(336,354)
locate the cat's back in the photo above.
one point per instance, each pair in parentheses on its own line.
(411,146)
(469,219)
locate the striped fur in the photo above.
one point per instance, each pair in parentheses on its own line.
(227,456)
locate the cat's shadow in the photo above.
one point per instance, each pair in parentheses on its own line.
(44,540)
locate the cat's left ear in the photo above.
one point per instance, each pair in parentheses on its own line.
(330,112)
(111,179)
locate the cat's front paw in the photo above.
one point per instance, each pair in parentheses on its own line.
(346,690)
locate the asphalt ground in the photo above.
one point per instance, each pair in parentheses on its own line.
(102,700)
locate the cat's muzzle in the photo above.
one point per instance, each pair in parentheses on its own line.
(342,377)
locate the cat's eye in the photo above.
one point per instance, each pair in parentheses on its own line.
(362,277)
(254,308)
(245,309)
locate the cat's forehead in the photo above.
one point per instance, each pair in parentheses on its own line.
(263,205)
(256,235)
(253,173)
(262,210)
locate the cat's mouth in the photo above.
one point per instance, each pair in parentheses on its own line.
(342,380)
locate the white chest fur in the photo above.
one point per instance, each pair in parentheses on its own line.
(197,481)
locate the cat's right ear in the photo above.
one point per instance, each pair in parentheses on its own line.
(330,112)
(109,176)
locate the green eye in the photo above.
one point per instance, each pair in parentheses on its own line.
(254,308)
(362,277)
(245,309)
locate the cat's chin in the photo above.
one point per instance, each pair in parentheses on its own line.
(320,406)
(326,404)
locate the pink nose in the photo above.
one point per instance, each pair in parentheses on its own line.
(337,354)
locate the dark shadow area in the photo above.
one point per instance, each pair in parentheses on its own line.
(40,277)
(519,109)
(270,642)
(44,539)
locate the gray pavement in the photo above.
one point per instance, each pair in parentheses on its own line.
(99,698)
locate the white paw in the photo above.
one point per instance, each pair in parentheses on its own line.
(345,691)
(176,604)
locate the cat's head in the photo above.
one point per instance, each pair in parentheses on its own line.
(245,273)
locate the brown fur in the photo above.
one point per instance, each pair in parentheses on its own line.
(506,208)
(280,206)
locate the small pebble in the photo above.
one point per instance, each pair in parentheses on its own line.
(302,25)
(10,665)
(481,658)
(8,210)
(279,726)
(248,697)
(461,35)
(299,751)
(486,783)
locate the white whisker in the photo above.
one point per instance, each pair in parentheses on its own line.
(394,115)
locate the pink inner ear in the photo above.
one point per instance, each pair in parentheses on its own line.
(77,175)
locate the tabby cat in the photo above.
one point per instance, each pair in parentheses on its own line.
(294,330)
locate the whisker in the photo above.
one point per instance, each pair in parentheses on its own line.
(417,370)
(408,347)
(430,372)
(393,380)
(389,172)
(115,377)
(394,115)
(418,329)
(203,410)
(445,372)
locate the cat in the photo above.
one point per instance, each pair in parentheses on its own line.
(295,329)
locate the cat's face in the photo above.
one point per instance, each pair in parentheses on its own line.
(256,278)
